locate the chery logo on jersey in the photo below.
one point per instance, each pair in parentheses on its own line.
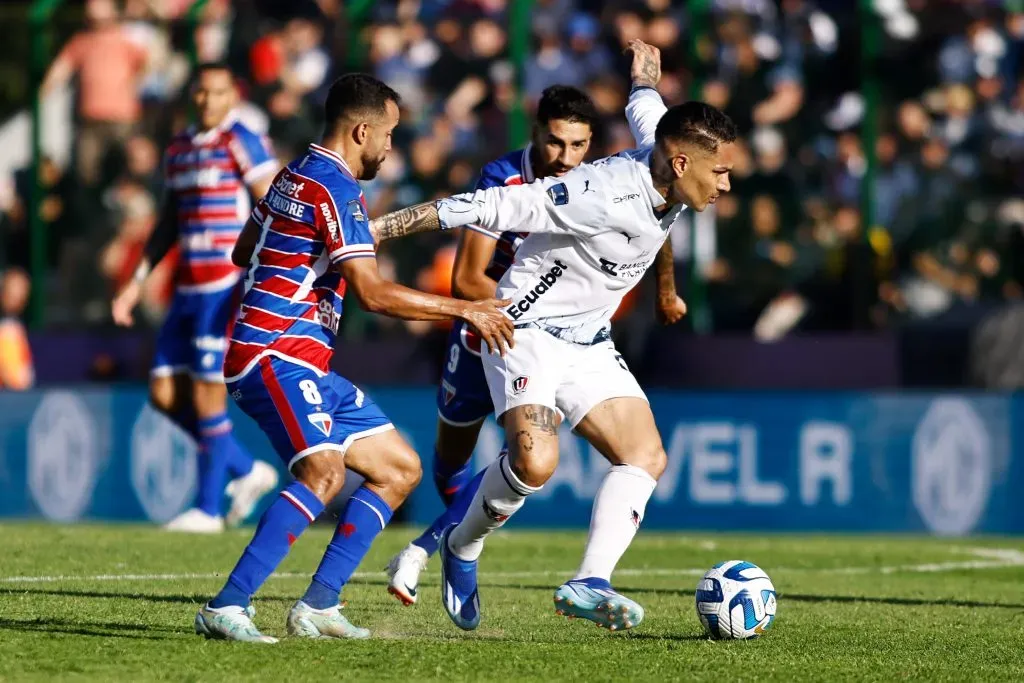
(627,197)
(547,281)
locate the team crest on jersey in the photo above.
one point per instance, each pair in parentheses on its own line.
(355,208)
(321,421)
(519,384)
(559,194)
(449,391)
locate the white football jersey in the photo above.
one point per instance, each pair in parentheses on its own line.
(593,233)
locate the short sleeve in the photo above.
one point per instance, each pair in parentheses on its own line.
(252,153)
(346,229)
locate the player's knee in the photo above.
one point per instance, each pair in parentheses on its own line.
(322,473)
(406,472)
(162,395)
(535,466)
(652,460)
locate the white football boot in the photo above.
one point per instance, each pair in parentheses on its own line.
(230,623)
(246,491)
(404,570)
(306,622)
(195,521)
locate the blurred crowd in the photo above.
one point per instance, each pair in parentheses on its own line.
(789,249)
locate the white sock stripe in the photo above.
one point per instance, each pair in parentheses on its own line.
(513,481)
(290,497)
(380,517)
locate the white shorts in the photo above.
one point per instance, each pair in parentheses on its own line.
(544,370)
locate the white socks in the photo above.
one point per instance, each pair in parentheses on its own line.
(499,496)
(618,510)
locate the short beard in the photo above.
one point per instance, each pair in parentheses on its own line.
(371,167)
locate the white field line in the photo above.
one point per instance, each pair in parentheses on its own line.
(996,559)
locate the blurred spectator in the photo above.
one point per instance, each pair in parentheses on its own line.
(16,370)
(787,250)
(110,67)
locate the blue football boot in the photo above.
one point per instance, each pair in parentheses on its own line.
(458,587)
(596,600)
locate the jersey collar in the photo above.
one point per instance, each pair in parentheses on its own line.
(332,156)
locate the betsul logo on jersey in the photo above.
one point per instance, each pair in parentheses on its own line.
(519,384)
(547,281)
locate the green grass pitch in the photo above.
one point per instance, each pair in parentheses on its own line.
(116,603)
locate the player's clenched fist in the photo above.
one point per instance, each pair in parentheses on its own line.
(490,321)
(646,67)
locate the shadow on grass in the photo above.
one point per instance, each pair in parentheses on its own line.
(272,597)
(86,628)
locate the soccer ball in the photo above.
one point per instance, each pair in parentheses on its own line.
(736,600)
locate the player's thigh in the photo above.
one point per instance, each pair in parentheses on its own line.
(623,431)
(173,352)
(606,405)
(388,464)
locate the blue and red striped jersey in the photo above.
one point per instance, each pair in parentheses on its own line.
(313,218)
(208,174)
(511,169)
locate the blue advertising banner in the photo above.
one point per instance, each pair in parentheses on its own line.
(945,464)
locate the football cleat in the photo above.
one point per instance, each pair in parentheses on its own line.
(306,622)
(195,521)
(596,600)
(404,572)
(459,593)
(230,623)
(246,491)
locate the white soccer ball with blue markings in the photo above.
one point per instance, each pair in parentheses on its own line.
(736,600)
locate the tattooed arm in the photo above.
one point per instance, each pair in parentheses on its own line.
(671,307)
(646,68)
(418,218)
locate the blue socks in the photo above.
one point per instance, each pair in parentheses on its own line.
(219,455)
(453,515)
(449,481)
(363,518)
(283,522)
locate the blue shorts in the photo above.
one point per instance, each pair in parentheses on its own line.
(463,398)
(194,335)
(303,412)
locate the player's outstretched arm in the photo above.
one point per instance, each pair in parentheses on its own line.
(416,218)
(645,107)
(671,307)
(160,241)
(378,295)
